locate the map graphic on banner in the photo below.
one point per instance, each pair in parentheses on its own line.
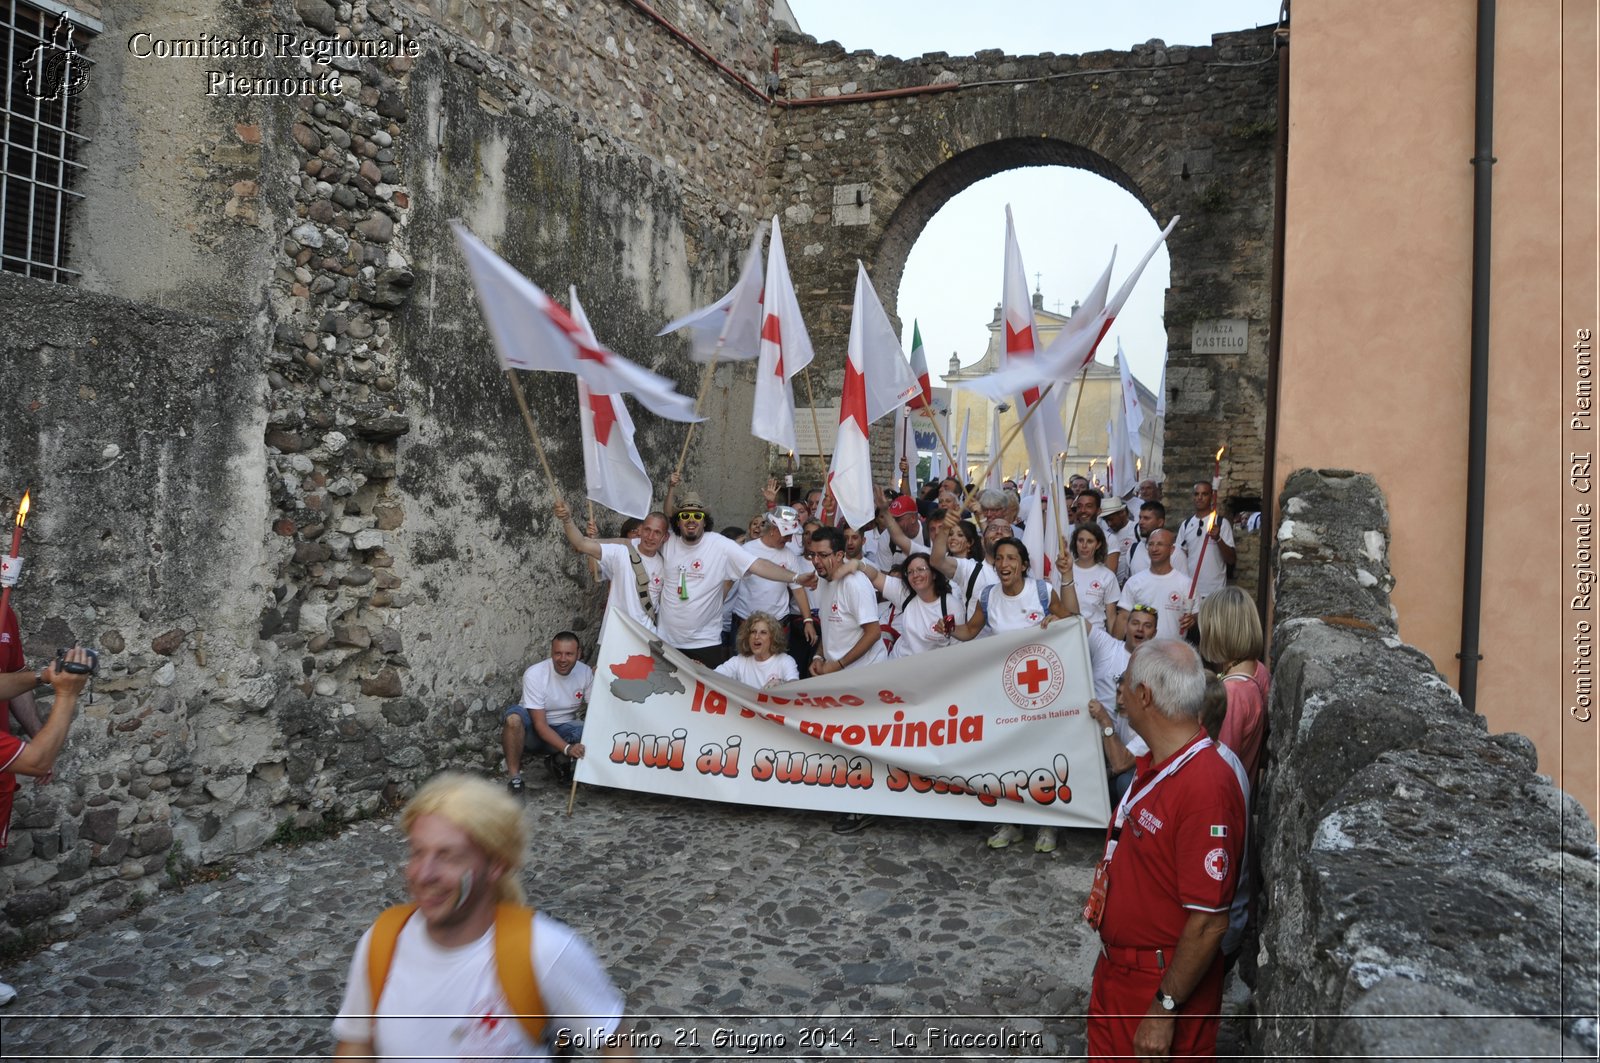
(995,730)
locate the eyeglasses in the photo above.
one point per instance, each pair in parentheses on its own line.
(691,514)
(818,555)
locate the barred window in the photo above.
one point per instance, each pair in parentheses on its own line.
(39,168)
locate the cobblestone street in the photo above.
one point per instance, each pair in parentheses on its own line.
(732,931)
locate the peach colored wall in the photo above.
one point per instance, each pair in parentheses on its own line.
(1376,337)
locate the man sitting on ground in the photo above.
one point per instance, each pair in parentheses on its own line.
(553,692)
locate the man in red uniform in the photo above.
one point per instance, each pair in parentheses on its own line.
(1162,892)
(38,756)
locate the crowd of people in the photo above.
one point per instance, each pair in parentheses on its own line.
(1179,684)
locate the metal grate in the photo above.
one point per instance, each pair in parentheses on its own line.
(40,145)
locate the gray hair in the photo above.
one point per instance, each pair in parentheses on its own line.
(992,498)
(1171,670)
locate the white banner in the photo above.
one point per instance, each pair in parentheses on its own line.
(995,730)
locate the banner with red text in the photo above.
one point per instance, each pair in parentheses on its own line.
(995,730)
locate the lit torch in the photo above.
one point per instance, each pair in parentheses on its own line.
(1216,470)
(16,546)
(1211,522)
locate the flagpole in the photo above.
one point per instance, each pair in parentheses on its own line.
(1073,422)
(816,426)
(705,386)
(594,562)
(533,431)
(572,795)
(1058,473)
(944,445)
(1150,451)
(1012,437)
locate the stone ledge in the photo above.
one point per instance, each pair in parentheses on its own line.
(1419,876)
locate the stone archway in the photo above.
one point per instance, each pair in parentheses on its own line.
(1185,130)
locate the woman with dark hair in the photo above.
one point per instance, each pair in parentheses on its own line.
(922,600)
(1017,602)
(760,660)
(1097,586)
(958,553)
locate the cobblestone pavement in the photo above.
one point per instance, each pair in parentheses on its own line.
(731,930)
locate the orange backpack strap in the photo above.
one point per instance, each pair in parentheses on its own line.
(513,959)
(380,949)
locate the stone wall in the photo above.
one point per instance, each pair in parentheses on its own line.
(281,485)
(1414,865)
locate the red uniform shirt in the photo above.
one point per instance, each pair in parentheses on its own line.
(11,660)
(1178,850)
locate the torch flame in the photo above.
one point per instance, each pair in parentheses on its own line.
(1211,521)
(1219,452)
(22,508)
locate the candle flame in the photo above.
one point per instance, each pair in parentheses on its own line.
(1219,452)
(22,508)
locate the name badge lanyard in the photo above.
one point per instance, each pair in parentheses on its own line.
(1130,798)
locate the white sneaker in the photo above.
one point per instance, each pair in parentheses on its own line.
(7,994)
(1004,836)
(1047,840)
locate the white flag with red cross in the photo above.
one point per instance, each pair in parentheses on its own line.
(534,332)
(785,351)
(729,330)
(1043,434)
(877,379)
(614,475)
(1071,350)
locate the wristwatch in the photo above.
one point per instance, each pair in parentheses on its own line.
(1168,1002)
(1108,730)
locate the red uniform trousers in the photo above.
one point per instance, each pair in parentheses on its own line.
(1122,995)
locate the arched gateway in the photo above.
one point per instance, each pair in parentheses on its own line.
(873,146)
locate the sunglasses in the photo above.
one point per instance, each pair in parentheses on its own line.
(1145,609)
(691,514)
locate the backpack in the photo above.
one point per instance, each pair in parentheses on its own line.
(1039,585)
(641,581)
(513,960)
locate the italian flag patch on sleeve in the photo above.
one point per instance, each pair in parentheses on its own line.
(1219,831)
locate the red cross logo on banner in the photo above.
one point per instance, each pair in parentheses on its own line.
(1032,676)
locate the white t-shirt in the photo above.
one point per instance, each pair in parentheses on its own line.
(1095,586)
(560,696)
(1108,659)
(1213,569)
(986,578)
(446,1004)
(847,606)
(916,620)
(753,594)
(779,668)
(1166,593)
(1007,612)
(691,599)
(617,566)
(1118,542)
